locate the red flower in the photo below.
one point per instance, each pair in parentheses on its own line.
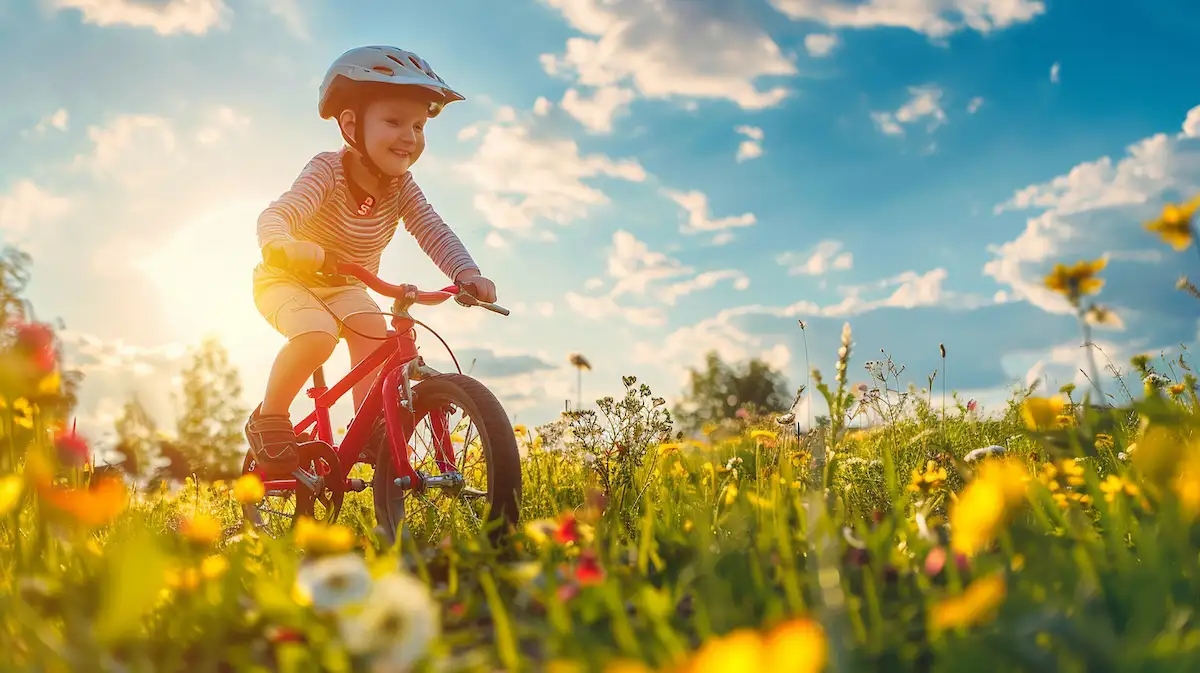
(588,570)
(72,449)
(568,529)
(36,340)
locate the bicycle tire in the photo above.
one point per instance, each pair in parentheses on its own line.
(500,453)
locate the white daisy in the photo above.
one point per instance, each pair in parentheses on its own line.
(398,622)
(334,581)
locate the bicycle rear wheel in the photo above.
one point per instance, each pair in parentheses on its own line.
(485,455)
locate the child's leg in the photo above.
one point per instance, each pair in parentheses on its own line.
(364,331)
(296,362)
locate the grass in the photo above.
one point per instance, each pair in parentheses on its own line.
(846,549)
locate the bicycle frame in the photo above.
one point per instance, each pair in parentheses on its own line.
(399,365)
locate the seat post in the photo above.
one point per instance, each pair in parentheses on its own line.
(319,377)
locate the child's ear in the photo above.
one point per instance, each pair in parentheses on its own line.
(347,121)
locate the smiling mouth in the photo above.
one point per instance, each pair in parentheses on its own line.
(401,153)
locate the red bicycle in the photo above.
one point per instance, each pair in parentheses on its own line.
(406,396)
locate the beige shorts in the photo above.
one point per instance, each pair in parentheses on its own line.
(292,310)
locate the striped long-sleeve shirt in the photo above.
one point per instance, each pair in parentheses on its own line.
(320,208)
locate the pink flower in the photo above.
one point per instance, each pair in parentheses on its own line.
(742,413)
(971,405)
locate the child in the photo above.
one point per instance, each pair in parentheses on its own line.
(346,205)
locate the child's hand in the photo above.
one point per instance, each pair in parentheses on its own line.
(478,286)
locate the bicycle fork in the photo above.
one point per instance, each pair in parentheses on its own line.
(400,418)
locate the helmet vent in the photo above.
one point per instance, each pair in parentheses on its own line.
(385,70)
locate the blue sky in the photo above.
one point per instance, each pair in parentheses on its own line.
(644,180)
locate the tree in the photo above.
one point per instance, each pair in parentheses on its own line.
(209,432)
(717,392)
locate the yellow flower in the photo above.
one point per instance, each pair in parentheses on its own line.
(1175,224)
(626,666)
(758,434)
(1077,280)
(10,493)
(1187,486)
(983,506)
(213,566)
(519,430)
(318,538)
(1112,486)
(201,529)
(248,489)
(731,492)
(931,480)
(797,646)
(1177,389)
(1158,454)
(1073,471)
(975,605)
(1041,412)
(1103,441)
(739,650)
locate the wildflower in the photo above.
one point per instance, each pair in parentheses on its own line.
(626,666)
(588,570)
(731,492)
(96,505)
(567,531)
(1103,441)
(36,342)
(1175,224)
(213,566)
(761,434)
(72,449)
(201,529)
(931,480)
(1158,454)
(321,539)
(971,405)
(397,623)
(981,509)
(796,646)
(1177,389)
(249,489)
(733,651)
(1077,280)
(1112,486)
(520,430)
(1187,486)
(334,581)
(11,487)
(1073,471)
(1041,412)
(975,605)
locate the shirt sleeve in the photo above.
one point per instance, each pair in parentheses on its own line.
(297,204)
(434,236)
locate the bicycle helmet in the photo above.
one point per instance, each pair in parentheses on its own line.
(365,73)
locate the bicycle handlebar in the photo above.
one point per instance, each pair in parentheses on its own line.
(424,297)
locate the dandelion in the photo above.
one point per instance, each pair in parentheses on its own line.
(1041,412)
(983,506)
(397,623)
(932,479)
(320,539)
(737,650)
(796,646)
(249,489)
(1112,486)
(11,487)
(201,529)
(332,582)
(1174,225)
(1077,280)
(1177,389)
(213,566)
(976,604)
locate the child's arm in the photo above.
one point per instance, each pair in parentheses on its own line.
(434,236)
(285,214)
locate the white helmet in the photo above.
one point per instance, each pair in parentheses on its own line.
(381,65)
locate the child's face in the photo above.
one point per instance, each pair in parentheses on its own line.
(395,132)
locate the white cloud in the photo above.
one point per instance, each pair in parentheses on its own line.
(722,238)
(820,45)
(1191,125)
(704,281)
(974,105)
(924,102)
(194,17)
(293,18)
(1054,70)
(27,204)
(826,256)
(597,308)
(597,112)
(664,49)
(120,150)
(57,120)
(541,106)
(751,147)
(699,220)
(634,267)
(224,120)
(934,18)
(1094,209)
(522,177)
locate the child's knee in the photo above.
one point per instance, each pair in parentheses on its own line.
(320,344)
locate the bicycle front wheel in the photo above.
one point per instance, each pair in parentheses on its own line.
(457,416)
